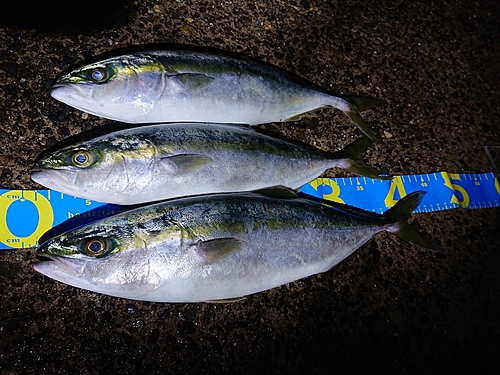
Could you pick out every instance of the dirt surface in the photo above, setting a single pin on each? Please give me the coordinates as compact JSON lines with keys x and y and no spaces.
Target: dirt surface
{"x":390,"y":308}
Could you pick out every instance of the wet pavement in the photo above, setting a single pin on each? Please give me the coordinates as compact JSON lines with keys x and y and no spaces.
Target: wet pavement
{"x":389,"y":308}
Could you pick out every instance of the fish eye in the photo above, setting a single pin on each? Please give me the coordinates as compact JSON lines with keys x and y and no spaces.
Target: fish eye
{"x":98,"y":75}
{"x":82,"y":159}
{"x":96,"y":247}
{"x":91,"y":75}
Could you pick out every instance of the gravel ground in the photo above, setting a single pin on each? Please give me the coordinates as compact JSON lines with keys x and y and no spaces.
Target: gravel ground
{"x":390,"y":308}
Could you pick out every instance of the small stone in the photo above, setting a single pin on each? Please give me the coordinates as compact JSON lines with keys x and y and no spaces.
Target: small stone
{"x":189,"y":30}
{"x":51,"y":141}
{"x":105,"y":317}
{"x":387,"y":134}
{"x":186,"y":327}
{"x":131,"y":309}
{"x":6,"y":159}
{"x":138,"y":325}
{"x":189,"y":315}
{"x":85,"y":115}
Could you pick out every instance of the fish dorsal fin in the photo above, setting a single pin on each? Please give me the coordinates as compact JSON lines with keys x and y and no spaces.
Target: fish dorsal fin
{"x":187,"y":163}
{"x":219,"y":248}
{"x":277,"y":192}
{"x":194,"y":81}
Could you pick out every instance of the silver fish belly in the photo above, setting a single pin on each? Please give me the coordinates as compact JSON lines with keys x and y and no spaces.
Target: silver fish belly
{"x":215,"y":247}
{"x":184,"y":86}
{"x":157,"y":162}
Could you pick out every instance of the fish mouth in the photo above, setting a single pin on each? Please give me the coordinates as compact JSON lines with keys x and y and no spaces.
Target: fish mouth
{"x":58,"y":268}
{"x":79,"y":96}
{"x":52,"y":178}
{"x":70,"y":90}
{"x":43,"y":257}
{"x":64,"y":181}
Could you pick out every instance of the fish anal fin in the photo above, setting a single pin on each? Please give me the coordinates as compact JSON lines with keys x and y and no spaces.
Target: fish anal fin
{"x":227,"y":300}
{"x":295,"y":118}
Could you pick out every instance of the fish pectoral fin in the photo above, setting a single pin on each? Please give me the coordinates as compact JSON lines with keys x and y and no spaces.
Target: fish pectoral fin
{"x":188,"y":163}
{"x":194,"y":81}
{"x":219,"y":248}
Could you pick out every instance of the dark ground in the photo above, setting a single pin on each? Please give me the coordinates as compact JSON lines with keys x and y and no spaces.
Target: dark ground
{"x":391,"y":308}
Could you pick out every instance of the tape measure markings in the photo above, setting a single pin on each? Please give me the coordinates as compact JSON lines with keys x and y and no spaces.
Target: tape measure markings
{"x":444,"y":191}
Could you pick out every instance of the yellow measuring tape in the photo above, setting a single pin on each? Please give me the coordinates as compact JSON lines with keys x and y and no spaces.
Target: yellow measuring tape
{"x":444,"y":191}
{"x":25,"y":215}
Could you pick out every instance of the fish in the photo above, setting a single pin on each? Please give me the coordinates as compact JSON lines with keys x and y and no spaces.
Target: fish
{"x":164,"y":161}
{"x":219,"y":247}
{"x":187,"y":86}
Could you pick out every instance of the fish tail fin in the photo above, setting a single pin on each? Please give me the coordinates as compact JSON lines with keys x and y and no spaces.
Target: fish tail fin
{"x":364,"y":103}
{"x":353,"y":156}
{"x":409,"y":232}
{"x":357,"y":104}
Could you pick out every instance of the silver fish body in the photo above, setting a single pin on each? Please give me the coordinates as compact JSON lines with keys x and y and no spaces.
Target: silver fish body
{"x":157,"y":162}
{"x":215,"y":247}
{"x":185,"y":86}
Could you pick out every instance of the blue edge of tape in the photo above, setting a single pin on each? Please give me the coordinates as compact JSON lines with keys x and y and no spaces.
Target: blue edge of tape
{"x":27,"y":217}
